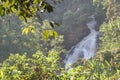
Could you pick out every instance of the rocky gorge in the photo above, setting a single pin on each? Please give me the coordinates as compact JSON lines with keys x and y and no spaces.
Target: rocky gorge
{"x":73,"y":16}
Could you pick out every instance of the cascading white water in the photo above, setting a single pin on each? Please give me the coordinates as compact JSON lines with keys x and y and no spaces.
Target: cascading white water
{"x":85,"y":48}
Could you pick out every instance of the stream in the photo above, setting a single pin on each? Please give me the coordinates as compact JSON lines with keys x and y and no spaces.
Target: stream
{"x":87,"y":47}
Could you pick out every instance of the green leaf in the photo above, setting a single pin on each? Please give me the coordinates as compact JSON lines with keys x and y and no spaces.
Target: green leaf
{"x":25,"y":31}
{"x":1,"y":74}
{"x":32,"y":28}
{"x":21,"y":18}
{"x":37,"y":1}
{"x":2,"y":10}
{"x":13,"y":9}
{"x":55,"y":34}
{"x":45,"y":34}
{"x":51,"y":32}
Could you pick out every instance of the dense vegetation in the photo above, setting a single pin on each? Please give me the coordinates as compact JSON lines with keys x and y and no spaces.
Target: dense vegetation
{"x":44,"y":62}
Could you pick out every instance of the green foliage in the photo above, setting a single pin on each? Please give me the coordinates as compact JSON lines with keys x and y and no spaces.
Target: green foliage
{"x":48,"y":67}
{"x":111,"y":37}
{"x":46,"y":29}
{"x":27,"y":9}
{"x":100,"y":6}
{"x":26,"y":30}
{"x":18,"y":67}
{"x":24,"y":8}
{"x":110,"y":41}
{"x":109,"y":7}
{"x":2,"y":12}
{"x":110,"y":50}
{"x":11,"y":37}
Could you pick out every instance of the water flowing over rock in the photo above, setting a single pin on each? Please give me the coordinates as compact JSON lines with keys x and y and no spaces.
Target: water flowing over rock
{"x":85,"y":48}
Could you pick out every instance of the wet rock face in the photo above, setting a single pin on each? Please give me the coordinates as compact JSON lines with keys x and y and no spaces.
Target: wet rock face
{"x":72,"y":15}
{"x":74,"y":36}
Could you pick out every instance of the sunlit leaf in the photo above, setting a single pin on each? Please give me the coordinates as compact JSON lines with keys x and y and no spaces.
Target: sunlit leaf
{"x":13,"y":9}
{"x":21,"y":17}
{"x":45,"y":34}
{"x":25,"y":31}
{"x":1,"y":74}
{"x":55,"y":34}
{"x":51,"y":32}
{"x":31,"y":28}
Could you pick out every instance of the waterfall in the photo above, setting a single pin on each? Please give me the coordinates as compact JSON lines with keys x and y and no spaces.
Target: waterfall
{"x":85,"y":48}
